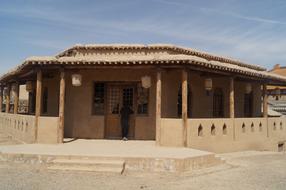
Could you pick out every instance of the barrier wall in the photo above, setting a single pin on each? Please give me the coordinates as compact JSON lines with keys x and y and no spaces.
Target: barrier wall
{"x":19,"y":127}
{"x":216,"y":135}
{"x":47,"y":130}
{"x":225,"y":134}
{"x":22,"y":128}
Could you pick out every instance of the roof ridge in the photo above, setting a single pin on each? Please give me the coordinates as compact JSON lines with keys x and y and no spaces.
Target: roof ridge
{"x":183,"y":49}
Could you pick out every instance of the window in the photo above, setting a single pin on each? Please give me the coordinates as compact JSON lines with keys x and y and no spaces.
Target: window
{"x":143,"y":100}
{"x":114,"y":100}
{"x":12,"y":97}
{"x":23,"y":100}
{"x":248,"y":104}
{"x":179,"y":103}
{"x":32,"y":102}
{"x":45,"y":100}
{"x":98,"y":98}
{"x":128,"y":96}
{"x":218,"y":103}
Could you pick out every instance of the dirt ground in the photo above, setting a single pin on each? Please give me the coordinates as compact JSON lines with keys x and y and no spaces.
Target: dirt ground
{"x":243,"y":170}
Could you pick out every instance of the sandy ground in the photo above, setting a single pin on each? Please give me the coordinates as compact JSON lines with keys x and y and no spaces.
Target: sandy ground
{"x":243,"y":170}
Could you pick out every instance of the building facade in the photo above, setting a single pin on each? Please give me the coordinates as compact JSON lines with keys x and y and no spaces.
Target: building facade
{"x":277,"y":94}
{"x":180,"y":97}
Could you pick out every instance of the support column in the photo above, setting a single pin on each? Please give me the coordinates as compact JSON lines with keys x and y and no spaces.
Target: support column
{"x":185,"y":106}
{"x":61,"y":107}
{"x":1,"y":98}
{"x":231,"y":103}
{"x":38,"y":102}
{"x":265,"y":106}
{"x":8,"y":98}
{"x":158,"y":107}
{"x":265,"y":101}
{"x":16,"y":98}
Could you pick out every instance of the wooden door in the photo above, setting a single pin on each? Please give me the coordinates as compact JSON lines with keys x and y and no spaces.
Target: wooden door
{"x":116,"y":95}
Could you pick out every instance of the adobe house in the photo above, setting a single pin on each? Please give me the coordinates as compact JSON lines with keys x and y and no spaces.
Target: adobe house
{"x":277,"y":94}
{"x":180,"y":97}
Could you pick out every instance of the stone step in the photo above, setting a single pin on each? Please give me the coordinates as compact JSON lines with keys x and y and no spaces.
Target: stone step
{"x":87,"y":168}
{"x":113,"y":166}
{"x":88,"y":161}
{"x":5,"y":137}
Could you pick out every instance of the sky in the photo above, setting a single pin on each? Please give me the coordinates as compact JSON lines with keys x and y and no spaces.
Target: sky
{"x":251,"y":31}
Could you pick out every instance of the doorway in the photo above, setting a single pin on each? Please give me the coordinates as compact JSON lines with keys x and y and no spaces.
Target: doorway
{"x":117,"y":94}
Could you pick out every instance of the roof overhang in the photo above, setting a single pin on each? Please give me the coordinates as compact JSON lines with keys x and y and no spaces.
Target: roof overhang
{"x":191,"y":62}
{"x":179,"y":57}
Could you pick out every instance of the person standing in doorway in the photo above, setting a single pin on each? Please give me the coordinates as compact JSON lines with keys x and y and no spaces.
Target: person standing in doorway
{"x":125,"y":113}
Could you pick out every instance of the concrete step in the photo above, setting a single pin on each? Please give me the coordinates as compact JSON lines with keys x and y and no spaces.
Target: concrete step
{"x":6,"y":137}
{"x":95,"y":165}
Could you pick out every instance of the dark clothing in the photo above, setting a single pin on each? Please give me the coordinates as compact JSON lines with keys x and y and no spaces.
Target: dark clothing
{"x":125,"y":113}
{"x":124,"y":128}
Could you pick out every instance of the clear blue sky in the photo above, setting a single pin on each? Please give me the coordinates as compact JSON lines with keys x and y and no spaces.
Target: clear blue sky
{"x":250,"y":30}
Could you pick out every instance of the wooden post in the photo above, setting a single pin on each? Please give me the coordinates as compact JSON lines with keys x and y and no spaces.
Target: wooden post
{"x":231,"y":98}
{"x":231,"y":104}
{"x":8,"y":98}
{"x":158,"y":107}
{"x":185,"y":106}
{"x":265,"y":101}
{"x":16,"y":98}
{"x":38,"y":102}
{"x":265,"y":106}
{"x":61,"y":108}
{"x":1,"y":98}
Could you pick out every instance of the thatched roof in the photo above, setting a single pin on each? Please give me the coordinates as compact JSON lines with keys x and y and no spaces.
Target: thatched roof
{"x":175,"y":56}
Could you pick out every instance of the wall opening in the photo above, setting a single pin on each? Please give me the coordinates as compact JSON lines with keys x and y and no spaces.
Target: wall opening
{"x":23,"y":100}
{"x":224,"y":130}
{"x":218,"y":103}
{"x":252,"y":127}
{"x":260,"y":126}
{"x":200,"y":131}
{"x":213,"y":130}
{"x":179,"y":102}
{"x":281,"y":126}
{"x":248,"y":104}
{"x":274,"y":126}
{"x":243,"y":128}
{"x":280,"y":147}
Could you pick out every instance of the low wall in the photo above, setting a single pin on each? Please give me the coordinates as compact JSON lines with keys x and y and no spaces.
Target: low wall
{"x":22,"y":128}
{"x":277,"y":128}
{"x":209,"y":134}
{"x":19,"y":127}
{"x":47,"y":130}
{"x":226,"y":135}
{"x":171,"y":132}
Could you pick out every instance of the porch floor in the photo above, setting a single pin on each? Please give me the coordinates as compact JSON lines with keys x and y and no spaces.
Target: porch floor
{"x":119,"y":148}
{"x":138,"y":155}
